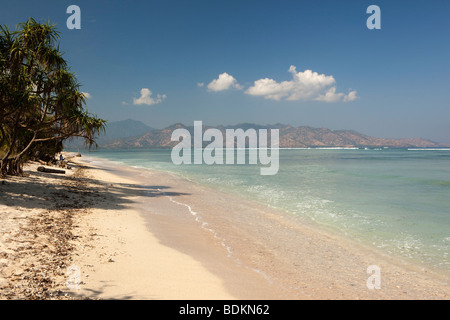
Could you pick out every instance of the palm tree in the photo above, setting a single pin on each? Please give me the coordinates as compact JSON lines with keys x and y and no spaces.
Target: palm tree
{"x":40,"y":99}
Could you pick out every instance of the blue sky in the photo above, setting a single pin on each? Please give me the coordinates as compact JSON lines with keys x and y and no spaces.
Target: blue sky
{"x":146,"y":60}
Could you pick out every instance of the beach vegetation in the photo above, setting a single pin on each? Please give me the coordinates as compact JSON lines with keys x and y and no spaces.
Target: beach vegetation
{"x":41,"y":102}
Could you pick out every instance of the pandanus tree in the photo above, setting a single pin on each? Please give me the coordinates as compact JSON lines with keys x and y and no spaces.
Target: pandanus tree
{"x":40,"y":98}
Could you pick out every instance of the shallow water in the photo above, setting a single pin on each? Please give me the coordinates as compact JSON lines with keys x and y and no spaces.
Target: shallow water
{"x":395,"y":200}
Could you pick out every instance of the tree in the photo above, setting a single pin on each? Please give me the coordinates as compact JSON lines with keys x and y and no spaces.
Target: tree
{"x":40,"y":98}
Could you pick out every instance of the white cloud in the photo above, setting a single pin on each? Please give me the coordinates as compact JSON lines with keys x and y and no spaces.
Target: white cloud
{"x":351,"y":96}
{"x":306,"y":85}
{"x":330,"y":96}
{"x":224,"y":82}
{"x":200,"y":84}
{"x":87,"y":95}
{"x":147,"y":99}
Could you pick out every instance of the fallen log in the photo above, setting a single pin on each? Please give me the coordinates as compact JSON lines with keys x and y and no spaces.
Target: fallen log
{"x":43,"y":169}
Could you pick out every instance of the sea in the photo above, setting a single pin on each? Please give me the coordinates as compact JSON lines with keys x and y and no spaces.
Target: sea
{"x":394,"y":200}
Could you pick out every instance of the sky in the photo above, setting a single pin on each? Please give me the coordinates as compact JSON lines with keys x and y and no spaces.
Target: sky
{"x":227,"y":62}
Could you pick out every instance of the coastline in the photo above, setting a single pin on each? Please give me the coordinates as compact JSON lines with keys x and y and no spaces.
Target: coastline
{"x":154,"y":235}
{"x":126,"y":258}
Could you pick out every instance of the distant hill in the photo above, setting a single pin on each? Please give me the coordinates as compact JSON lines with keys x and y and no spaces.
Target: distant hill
{"x":114,"y":130}
{"x":124,"y":129}
{"x":290,"y":137}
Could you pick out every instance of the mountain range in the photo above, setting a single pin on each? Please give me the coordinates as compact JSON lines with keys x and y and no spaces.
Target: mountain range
{"x":132,"y":134}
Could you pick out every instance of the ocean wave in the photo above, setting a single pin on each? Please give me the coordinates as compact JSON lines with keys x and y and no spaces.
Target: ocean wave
{"x":428,"y":149}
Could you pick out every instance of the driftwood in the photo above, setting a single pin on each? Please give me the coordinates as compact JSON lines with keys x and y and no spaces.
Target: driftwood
{"x":43,"y":169}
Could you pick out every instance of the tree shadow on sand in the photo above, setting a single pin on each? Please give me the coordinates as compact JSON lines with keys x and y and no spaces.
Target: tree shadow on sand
{"x":74,"y":192}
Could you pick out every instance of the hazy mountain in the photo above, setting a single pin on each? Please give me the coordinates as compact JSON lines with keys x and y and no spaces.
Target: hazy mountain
{"x":114,"y":130}
{"x":124,"y":129}
{"x":290,"y":137}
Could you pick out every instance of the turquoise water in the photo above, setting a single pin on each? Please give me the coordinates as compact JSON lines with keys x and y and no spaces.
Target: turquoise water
{"x":395,"y":200}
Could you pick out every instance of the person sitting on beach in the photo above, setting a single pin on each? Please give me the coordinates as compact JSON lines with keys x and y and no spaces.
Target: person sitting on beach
{"x":61,"y":157}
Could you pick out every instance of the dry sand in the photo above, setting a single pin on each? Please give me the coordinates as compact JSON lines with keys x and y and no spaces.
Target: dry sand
{"x":115,"y":232}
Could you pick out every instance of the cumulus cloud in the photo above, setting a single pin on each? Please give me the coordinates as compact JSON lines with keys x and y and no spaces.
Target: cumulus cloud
{"x":351,"y":96}
{"x":200,"y":84}
{"x":87,"y":95}
{"x":147,"y":99}
{"x":306,"y":85}
{"x":330,"y":96}
{"x":224,"y":82}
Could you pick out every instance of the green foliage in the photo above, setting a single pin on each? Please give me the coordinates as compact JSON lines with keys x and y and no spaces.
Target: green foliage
{"x":41,"y":104}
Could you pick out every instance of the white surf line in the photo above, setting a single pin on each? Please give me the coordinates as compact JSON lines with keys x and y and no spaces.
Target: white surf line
{"x":216,"y":235}
{"x":199,"y":220}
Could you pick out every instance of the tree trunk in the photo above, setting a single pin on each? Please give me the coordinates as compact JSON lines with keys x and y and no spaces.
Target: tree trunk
{"x":4,"y":163}
{"x":43,"y":169}
{"x":3,"y":168}
{"x":15,"y":167}
{"x":11,"y":166}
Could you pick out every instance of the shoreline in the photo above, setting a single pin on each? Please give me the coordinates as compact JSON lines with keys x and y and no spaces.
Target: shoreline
{"x":202,"y":270}
{"x":325,"y":230}
{"x":143,"y":234}
{"x":242,"y":235}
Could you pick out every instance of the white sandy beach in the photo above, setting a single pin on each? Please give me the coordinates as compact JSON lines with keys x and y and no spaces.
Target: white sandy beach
{"x":151,"y":235}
